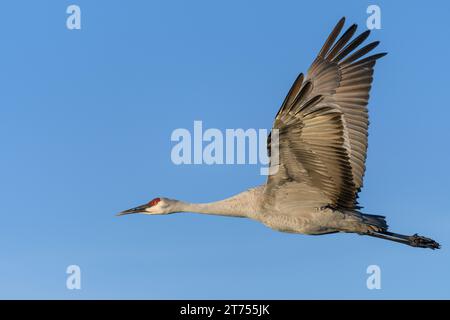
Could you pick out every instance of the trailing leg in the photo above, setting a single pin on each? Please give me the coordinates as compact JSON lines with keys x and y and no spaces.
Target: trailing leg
{"x":414,"y":241}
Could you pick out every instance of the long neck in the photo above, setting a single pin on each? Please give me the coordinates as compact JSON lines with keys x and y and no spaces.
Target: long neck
{"x":244,"y":204}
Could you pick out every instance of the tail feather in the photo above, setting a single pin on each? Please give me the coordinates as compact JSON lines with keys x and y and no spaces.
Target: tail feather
{"x":378,"y":223}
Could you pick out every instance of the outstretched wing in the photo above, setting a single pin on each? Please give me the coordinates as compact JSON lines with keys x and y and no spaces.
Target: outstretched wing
{"x":323,"y":123}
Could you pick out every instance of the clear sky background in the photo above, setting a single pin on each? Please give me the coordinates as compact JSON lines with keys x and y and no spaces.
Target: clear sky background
{"x":85,"y":124}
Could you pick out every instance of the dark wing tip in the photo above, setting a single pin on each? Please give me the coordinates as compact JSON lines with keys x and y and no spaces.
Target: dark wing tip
{"x":332,"y":37}
{"x":343,"y":40}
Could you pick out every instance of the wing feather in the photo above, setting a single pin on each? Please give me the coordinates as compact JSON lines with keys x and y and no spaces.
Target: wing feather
{"x":323,"y":122}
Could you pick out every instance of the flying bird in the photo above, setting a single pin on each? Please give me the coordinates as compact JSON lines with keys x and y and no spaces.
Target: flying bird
{"x":321,"y":151}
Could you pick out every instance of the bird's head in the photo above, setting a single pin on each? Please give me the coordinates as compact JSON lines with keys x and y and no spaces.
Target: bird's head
{"x":154,"y":206}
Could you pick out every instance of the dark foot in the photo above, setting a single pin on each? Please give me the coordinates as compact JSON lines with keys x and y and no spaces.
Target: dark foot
{"x":423,"y":242}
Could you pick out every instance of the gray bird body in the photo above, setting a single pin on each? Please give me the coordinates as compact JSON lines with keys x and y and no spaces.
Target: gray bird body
{"x":302,"y":216}
{"x":321,"y":149}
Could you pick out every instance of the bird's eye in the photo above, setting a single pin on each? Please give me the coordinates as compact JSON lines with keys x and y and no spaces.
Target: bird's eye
{"x":154,"y":202}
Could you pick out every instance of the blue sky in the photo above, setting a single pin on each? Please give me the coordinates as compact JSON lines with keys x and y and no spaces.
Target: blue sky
{"x":85,"y":123}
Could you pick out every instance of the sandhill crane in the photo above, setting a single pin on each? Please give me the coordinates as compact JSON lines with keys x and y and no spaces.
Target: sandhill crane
{"x":322,"y":126}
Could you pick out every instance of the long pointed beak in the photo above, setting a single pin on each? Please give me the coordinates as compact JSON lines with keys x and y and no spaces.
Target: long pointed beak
{"x":133,"y":210}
